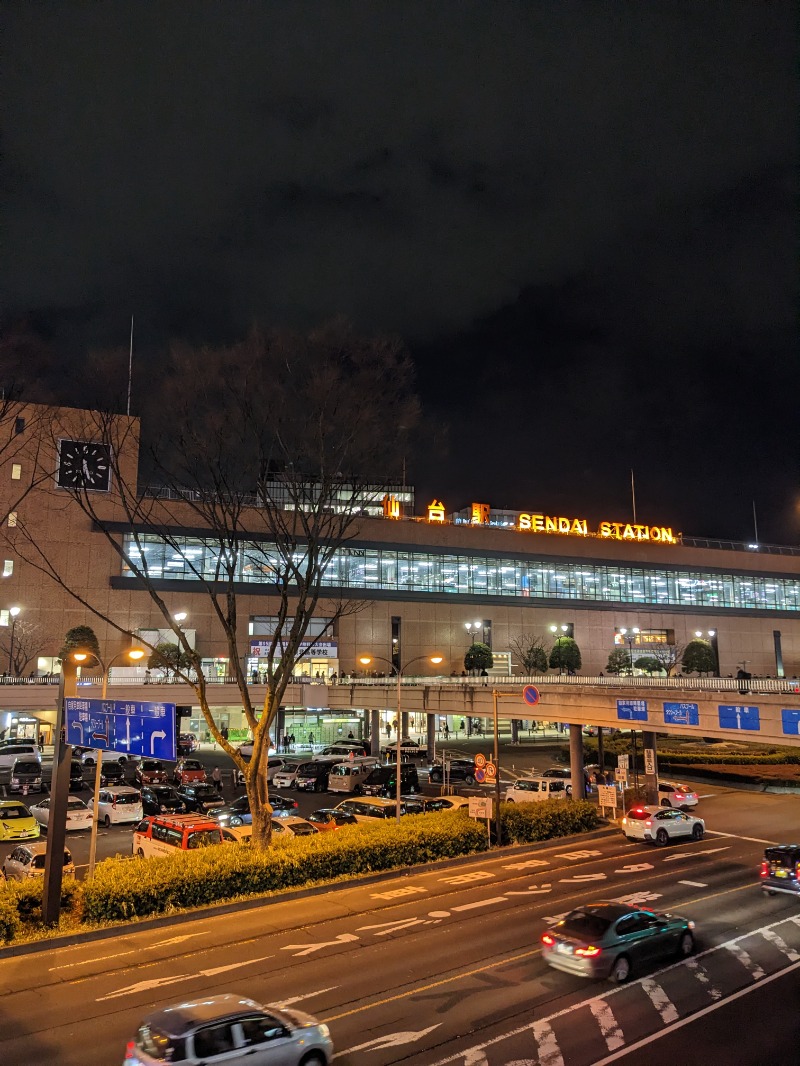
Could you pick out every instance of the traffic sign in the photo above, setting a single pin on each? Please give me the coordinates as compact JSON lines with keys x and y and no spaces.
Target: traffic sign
{"x":480,"y":775}
{"x":649,"y":761}
{"x":791,"y":722}
{"x":480,"y":761}
{"x":623,"y":761}
{"x":490,"y":770}
{"x":632,"y":710}
{"x":622,"y":775}
{"x":731,"y":717}
{"x":133,"y":728}
{"x":480,"y":807}
{"x":681,"y":714}
{"x":606,"y":795}
{"x":531,"y":695}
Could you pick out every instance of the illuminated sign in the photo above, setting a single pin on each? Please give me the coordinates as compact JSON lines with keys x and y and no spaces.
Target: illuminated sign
{"x":436,"y":511}
{"x":579,"y":527}
{"x":391,"y":507}
{"x":479,"y":514}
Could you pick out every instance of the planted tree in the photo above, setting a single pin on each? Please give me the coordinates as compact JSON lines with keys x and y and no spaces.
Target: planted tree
{"x":479,"y":657}
{"x":170,"y":658}
{"x":531,"y":652}
{"x":565,"y":655}
{"x":668,"y":656}
{"x":648,"y":664}
{"x":619,"y":662}
{"x":269,"y":449}
{"x":25,"y":648}
{"x":80,"y":638}
{"x":699,"y":658}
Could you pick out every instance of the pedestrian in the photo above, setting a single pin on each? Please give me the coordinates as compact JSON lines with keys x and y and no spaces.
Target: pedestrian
{"x":463,"y":726}
{"x":350,"y":735}
{"x":216,"y":777}
{"x":311,"y":739}
{"x":446,"y":731}
{"x":224,"y":732}
{"x":254,"y":676}
{"x":485,"y":675}
{"x":388,"y":730}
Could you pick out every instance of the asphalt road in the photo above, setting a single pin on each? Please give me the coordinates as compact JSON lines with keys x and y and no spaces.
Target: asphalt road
{"x":443,"y":966}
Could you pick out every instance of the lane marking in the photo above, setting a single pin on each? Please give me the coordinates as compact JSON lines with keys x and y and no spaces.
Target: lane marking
{"x":307,"y":995}
{"x":705,"y":795}
{"x":549,"y":1051}
{"x":660,"y":1000}
{"x":781,"y":945}
{"x":753,"y":968}
{"x":735,"y":836}
{"x":581,"y":878}
{"x":390,"y":1040}
{"x":158,"y":982}
{"x":702,"y":975}
{"x":308,"y":949}
{"x":690,"y":1018}
{"x":481,"y":903}
{"x":466,"y":879}
{"x":609,"y":1027}
{"x":85,"y":962}
{"x":695,"y":884}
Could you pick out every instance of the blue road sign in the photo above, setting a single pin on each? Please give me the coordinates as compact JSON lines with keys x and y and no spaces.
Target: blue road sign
{"x":531,"y":695}
{"x":632,"y":710}
{"x":146,"y":729}
{"x":731,"y":717}
{"x":681,"y":714}
{"x":791,"y":722}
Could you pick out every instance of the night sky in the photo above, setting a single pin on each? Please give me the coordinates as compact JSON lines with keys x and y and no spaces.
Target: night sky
{"x":579,"y":216}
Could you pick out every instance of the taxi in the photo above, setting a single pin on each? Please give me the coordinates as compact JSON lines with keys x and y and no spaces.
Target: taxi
{"x":17,"y":822}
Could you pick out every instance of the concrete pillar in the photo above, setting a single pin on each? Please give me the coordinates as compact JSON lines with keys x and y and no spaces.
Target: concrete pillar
{"x":366,"y":726}
{"x":601,"y":755}
{"x":431,"y":737}
{"x":404,"y":724}
{"x":469,"y":725}
{"x":515,"y":731}
{"x":280,"y":728}
{"x":650,"y":763}
{"x":375,"y":734}
{"x":576,"y":762}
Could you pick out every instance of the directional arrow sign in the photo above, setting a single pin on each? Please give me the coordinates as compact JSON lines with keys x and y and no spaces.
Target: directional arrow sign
{"x":736,"y":717}
{"x":390,"y":1040}
{"x":128,"y":726}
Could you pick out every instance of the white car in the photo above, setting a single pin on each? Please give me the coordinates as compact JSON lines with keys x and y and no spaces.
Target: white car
{"x":119,"y":804}
{"x":89,"y":758}
{"x":660,"y":825}
{"x":536,"y":789}
{"x":79,"y":816}
{"x":287,"y":775}
{"x":672,"y":795}
{"x":446,"y":803}
{"x":28,"y":860}
{"x":292,"y":826}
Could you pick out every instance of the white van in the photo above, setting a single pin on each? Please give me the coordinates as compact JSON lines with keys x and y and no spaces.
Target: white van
{"x":349,"y":776}
{"x":119,"y":804}
{"x":535,"y":789}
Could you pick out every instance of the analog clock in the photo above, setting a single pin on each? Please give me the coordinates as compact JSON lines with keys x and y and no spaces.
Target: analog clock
{"x":84,"y":465}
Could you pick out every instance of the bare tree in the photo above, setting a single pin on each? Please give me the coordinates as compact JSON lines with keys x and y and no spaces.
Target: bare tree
{"x":531,"y":652}
{"x":27,"y":644}
{"x":668,"y":656}
{"x":267,"y":447}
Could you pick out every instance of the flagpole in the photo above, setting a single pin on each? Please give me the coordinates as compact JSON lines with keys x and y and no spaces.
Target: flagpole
{"x":130,"y":367}
{"x":633,"y":496}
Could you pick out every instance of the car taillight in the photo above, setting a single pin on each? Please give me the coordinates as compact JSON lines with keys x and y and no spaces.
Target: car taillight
{"x":680,"y":796}
{"x":648,"y":822}
{"x":588,"y":953}
{"x":546,"y":938}
{"x":765,"y":869}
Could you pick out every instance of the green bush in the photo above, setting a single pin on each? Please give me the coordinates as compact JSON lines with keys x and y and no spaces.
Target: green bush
{"x":26,"y":898}
{"x":778,"y":759}
{"x":525,"y":823}
{"x":9,"y":918}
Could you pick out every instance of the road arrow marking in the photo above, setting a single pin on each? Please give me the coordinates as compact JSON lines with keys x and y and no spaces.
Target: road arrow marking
{"x":158,"y":982}
{"x":342,"y":938}
{"x":308,"y":995}
{"x":391,"y":1040}
{"x":635,"y":868}
{"x":582,"y":877}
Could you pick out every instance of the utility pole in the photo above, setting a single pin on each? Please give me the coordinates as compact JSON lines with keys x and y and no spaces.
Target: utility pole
{"x":59,"y":794}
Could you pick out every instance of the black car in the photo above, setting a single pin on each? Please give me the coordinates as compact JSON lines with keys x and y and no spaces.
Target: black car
{"x":111,"y":773}
{"x":282,"y":805}
{"x":161,"y":799}
{"x":236,"y":813}
{"x":457,"y":770}
{"x":382,"y":781}
{"x":780,"y":870}
{"x":76,"y":775}
{"x":201,"y":798}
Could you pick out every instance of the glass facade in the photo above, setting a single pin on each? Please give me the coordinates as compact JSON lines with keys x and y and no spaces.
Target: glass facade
{"x":411,"y":571}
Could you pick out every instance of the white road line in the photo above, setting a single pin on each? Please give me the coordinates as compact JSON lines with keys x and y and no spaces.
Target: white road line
{"x":781,"y":945}
{"x":705,"y":795}
{"x":746,"y":961}
{"x":85,"y":962}
{"x":695,"y":884}
{"x":702,"y":975}
{"x":736,"y":836}
{"x":661,"y":1001}
{"x":549,"y":1051}
{"x":675,"y":858}
{"x":306,"y":995}
{"x":609,"y":1027}
{"x":481,"y":903}
{"x":690,"y":1018}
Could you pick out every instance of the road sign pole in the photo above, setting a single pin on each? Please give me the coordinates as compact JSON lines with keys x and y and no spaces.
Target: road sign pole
{"x":59,"y":793}
{"x":497,"y":771}
{"x":98,"y":773}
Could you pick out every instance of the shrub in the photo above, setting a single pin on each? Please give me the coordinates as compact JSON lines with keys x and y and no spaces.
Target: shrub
{"x":525,"y":823}
{"x":9,"y":918}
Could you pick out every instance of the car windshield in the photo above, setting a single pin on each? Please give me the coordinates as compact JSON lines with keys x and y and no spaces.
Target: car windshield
{"x":76,"y":804}
{"x":191,"y":764}
{"x":302,"y":830}
{"x":206,"y":792}
{"x":27,"y":767}
{"x":310,"y":769}
{"x":584,"y":926}
{"x":15,"y":811}
{"x":151,"y":764}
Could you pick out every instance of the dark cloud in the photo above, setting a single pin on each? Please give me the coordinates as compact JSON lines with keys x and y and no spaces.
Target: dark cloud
{"x":581,"y":209}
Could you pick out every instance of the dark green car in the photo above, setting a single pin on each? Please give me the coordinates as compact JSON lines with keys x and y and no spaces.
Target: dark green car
{"x":610,"y":939}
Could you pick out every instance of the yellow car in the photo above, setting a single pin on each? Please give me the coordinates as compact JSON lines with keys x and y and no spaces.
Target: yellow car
{"x":17,"y":822}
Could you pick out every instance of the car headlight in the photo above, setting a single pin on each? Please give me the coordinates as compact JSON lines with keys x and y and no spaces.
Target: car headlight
{"x":324,"y":1031}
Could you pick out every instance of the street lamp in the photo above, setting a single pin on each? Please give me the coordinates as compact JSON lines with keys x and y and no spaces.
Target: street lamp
{"x":80,"y":657}
{"x":13,"y":611}
{"x":711,"y":634}
{"x":365,"y":660}
{"x":181,"y":616}
{"x":630,"y":635}
{"x":472,"y":629}
{"x":557,"y":639}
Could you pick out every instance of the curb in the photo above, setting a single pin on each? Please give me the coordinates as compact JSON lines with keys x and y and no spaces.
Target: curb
{"x":214,"y":910}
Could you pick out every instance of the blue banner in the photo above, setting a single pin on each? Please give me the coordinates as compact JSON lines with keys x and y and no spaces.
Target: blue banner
{"x":735,"y":717}
{"x":791,"y":722}
{"x":681,"y":714}
{"x":632,"y":710}
{"x":127,"y":726}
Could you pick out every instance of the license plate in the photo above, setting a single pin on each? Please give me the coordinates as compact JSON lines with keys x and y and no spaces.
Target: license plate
{"x":781,"y":873}
{"x":564,"y":949}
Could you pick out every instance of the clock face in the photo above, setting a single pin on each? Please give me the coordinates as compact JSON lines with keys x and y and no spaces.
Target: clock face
{"x":84,"y":465}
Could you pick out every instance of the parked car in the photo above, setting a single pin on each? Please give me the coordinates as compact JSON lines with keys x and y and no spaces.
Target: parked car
{"x":161,"y":799}
{"x":275,"y":763}
{"x":282,"y":805}
{"x":564,"y":774}
{"x":17,"y":822}
{"x":27,"y":860}
{"x":536,"y":789}
{"x":659,"y":825}
{"x":201,"y":798}
{"x":187,"y":743}
{"x":409,"y":749}
{"x":780,"y":870}
{"x":18,"y":749}
{"x":344,"y":747}
{"x":150,"y":772}
{"x":457,"y":770}
{"x":672,"y":795}
{"x":285,"y":777}
{"x":228,"y":1026}
{"x":611,"y":939}
{"x":76,"y":775}
{"x":161,"y":834}
{"x":79,"y":816}
{"x":328,"y":819}
{"x":298,"y":827}
{"x":446,"y":803}
{"x":189,"y":772}
{"x":233,"y":814}
{"x":350,"y":776}
{"x":382,"y":781}
{"x":119,"y":803}
{"x":89,"y":757}
{"x":26,"y":775}
{"x":313,"y":776}
{"x":369,"y":808}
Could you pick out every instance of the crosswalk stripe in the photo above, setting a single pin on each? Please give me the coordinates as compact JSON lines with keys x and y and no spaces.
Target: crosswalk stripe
{"x":661,"y":1001}
{"x":701,"y":973}
{"x":781,"y":945}
{"x":745,"y":960}
{"x":549,"y":1051}
{"x":609,"y":1027}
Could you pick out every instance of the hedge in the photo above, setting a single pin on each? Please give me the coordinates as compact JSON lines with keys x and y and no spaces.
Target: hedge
{"x":777,"y":759}
{"x":139,"y":888}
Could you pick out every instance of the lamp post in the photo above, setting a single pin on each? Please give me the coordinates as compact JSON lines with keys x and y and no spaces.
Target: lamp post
{"x":711,"y":634}
{"x":554,"y":631}
{"x":472,"y":629}
{"x":365,"y":660}
{"x":13,"y":611}
{"x":79,"y":657}
{"x":630,"y":635}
